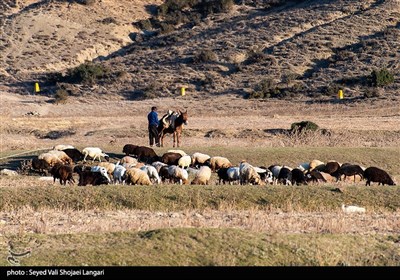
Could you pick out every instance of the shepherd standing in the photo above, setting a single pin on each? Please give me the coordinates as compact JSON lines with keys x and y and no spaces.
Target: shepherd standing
{"x":152,"y":117}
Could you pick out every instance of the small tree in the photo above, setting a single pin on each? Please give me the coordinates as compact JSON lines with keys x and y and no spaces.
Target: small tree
{"x":381,"y":78}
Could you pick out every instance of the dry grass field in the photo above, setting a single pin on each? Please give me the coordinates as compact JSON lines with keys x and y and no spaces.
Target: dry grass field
{"x":58,"y":222}
{"x":201,"y":225}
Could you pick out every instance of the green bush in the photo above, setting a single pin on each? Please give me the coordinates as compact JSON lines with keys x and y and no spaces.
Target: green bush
{"x":299,"y":127}
{"x":381,"y":78}
{"x":86,"y":73}
{"x":267,"y":88}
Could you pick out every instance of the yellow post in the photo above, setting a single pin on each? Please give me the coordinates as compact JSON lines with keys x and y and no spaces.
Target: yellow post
{"x":340,"y":94}
{"x":37,"y":88}
{"x":183,"y":91}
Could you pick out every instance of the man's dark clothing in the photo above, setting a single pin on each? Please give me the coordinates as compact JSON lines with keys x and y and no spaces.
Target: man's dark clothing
{"x":153,"y":128}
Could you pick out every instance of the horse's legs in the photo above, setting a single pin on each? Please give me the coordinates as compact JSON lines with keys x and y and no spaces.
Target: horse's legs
{"x":178,"y":138}
{"x":162,"y":140}
{"x":174,"y":136}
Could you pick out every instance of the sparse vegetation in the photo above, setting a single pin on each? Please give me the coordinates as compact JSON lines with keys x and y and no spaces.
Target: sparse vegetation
{"x":206,"y":247}
{"x":205,"y":55}
{"x":267,"y":88}
{"x":61,"y":96}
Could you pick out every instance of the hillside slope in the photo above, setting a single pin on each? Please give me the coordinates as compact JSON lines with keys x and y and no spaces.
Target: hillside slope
{"x":44,"y":36}
{"x":309,"y":48}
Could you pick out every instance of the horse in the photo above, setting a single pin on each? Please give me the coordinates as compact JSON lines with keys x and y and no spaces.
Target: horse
{"x":165,"y":128}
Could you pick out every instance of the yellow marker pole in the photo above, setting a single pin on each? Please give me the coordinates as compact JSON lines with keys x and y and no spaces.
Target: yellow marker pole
{"x":340,"y":94}
{"x":183,"y":91}
{"x":37,"y":88}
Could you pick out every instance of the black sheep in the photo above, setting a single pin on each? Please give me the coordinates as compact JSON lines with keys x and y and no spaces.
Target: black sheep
{"x":285,"y":176}
{"x":91,"y":178}
{"x":74,"y":154}
{"x":374,"y":174}
{"x":298,"y":177}
{"x":350,"y":170}
{"x":223,"y":175}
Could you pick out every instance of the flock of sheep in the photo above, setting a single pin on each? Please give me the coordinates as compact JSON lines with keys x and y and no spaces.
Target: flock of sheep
{"x":142,"y":166}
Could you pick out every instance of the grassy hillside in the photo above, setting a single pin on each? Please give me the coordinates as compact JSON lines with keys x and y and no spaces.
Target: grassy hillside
{"x":36,"y":195}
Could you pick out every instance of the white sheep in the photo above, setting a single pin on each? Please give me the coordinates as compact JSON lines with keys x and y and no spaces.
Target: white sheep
{"x":203,"y":176}
{"x":182,"y":153}
{"x":328,"y":177}
{"x":218,"y":162}
{"x":128,"y":159}
{"x":275,"y":170}
{"x":51,"y":159}
{"x":8,"y":172}
{"x":233,"y":174}
{"x":152,"y":172}
{"x":178,"y":174}
{"x":184,"y":161}
{"x":135,"y":176}
{"x":119,"y":173}
{"x":192,"y":171}
{"x":94,"y":152}
{"x":63,"y":147}
{"x":199,"y":158}
{"x":248,"y":174}
{"x":352,"y":209}
{"x":158,"y":165}
{"x":316,"y":164}
{"x":305,"y":166}
{"x":110,"y":167}
{"x":265,"y":174}
{"x":62,"y":156}
{"x":102,"y":170}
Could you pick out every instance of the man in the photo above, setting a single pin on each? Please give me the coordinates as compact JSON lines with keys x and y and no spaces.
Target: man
{"x":152,"y":117}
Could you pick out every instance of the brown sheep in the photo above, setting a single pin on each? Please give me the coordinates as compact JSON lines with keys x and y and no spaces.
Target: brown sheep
{"x":129,"y":149}
{"x":146,"y":154}
{"x":171,"y":158}
{"x":62,"y":172}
